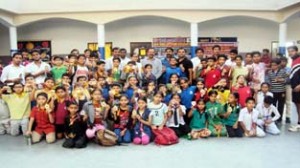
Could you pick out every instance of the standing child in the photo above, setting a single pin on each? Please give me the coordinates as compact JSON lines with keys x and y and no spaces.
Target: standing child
{"x":199,"y":122}
{"x":43,"y":117}
{"x":58,"y":69}
{"x":74,"y":128}
{"x":248,"y":120}
{"x":175,"y":114}
{"x":122,"y":120}
{"x":142,"y":129}
{"x":268,"y":115}
{"x":214,"y":110}
{"x":231,"y":115}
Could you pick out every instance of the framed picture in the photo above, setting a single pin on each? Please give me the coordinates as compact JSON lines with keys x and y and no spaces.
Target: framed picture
{"x":108,"y":47}
{"x":44,"y":46}
{"x":140,"y":47}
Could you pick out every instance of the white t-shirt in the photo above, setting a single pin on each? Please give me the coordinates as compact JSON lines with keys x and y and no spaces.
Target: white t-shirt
{"x":12,"y":72}
{"x":196,"y":61}
{"x":171,"y":122}
{"x":260,"y":96}
{"x":266,"y":113}
{"x":248,"y":118}
{"x":157,"y":112}
{"x":33,"y":68}
{"x":80,"y":71}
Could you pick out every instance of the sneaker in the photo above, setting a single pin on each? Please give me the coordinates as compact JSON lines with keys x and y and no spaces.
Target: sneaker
{"x":295,"y":128}
{"x":287,"y":120}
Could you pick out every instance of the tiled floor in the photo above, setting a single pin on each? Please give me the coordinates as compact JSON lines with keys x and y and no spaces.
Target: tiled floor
{"x":271,"y":151}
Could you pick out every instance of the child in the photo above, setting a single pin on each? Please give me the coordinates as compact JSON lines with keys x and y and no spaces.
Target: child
{"x":242,"y":89}
{"x":173,"y":69}
{"x":60,"y":110}
{"x":199,"y":122}
{"x":265,"y":118}
{"x":187,"y":95}
{"x":101,"y":72}
{"x":142,"y":129}
{"x":4,"y":117}
{"x":214,"y":110}
{"x":158,"y":117}
{"x":223,"y":91}
{"x":80,"y":69}
{"x":122,"y":120}
{"x":257,"y":72}
{"x":175,"y":114}
{"x":95,"y":113}
{"x":80,"y":92}
{"x":230,"y":116}
{"x":248,"y":120}
{"x":238,"y":70}
{"x":74,"y":128}
{"x":147,"y":75}
{"x":115,"y":72}
{"x":43,"y":117}
{"x":130,"y":70}
{"x":18,"y":103}
{"x":264,"y":91}
{"x":58,"y":69}
{"x":211,"y":74}
{"x":200,"y":92}
{"x":199,"y":68}
{"x":131,"y":88}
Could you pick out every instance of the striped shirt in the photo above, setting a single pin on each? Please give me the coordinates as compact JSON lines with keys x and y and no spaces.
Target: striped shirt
{"x":276,"y":87}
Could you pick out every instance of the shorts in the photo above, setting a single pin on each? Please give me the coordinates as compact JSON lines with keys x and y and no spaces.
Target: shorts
{"x":296,"y":97}
{"x":45,"y":130}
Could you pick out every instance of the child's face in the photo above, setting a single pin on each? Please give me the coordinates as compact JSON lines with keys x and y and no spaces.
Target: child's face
{"x":41,"y":100}
{"x":248,"y":58}
{"x":148,"y":69}
{"x":60,"y":93}
{"x":173,"y":62}
{"x":241,"y":80}
{"x":101,"y":67}
{"x":201,"y":105}
{"x":184,"y":84}
{"x":82,"y":81}
{"x":256,"y":58}
{"x":163,"y":89}
{"x":177,"y":99}
{"x":116,"y":89}
{"x":250,"y":104}
{"x":274,"y":66}
{"x":266,"y":105}
{"x":157,"y":98}
{"x":96,"y":96}
{"x":18,"y":88}
{"x":283,"y":63}
{"x":123,"y":101}
{"x":223,"y":82}
{"x":221,"y":61}
{"x":142,"y":104}
{"x":264,"y":88}
{"x":231,"y":99}
{"x":72,"y":60}
{"x":58,"y":62}
{"x":210,"y":62}
{"x":116,"y":63}
{"x":30,"y":80}
{"x":49,"y":84}
{"x":73,"y":109}
{"x":213,"y":98}
{"x":65,"y":79}
{"x":132,"y":81}
{"x":174,"y":78}
{"x":204,"y":63}
{"x":238,"y":61}
{"x":81,"y":60}
{"x":200,"y":85}
{"x":101,"y":81}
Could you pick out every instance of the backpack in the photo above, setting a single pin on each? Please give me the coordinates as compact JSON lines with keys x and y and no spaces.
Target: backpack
{"x":166,"y":136}
{"x":106,"y":137}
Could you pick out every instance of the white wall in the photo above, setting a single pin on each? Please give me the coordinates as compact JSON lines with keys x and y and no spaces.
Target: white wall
{"x":253,"y":34}
{"x":293,"y":29}
{"x":64,"y":34}
{"x":4,"y":40}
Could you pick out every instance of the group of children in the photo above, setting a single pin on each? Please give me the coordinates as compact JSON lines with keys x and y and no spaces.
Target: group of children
{"x":80,"y":95}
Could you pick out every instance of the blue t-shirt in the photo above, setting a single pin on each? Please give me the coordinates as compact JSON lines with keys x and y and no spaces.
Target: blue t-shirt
{"x":187,"y":96}
{"x":172,"y":70}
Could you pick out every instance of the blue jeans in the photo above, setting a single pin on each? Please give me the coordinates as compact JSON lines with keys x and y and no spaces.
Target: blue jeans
{"x":126,"y":138}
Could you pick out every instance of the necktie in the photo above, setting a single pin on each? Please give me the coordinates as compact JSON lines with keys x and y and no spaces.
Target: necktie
{"x":175,"y":116}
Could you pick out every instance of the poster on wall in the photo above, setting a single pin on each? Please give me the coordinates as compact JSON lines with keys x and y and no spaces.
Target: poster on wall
{"x":108,"y":47}
{"x":44,"y":46}
{"x":161,"y":43}
{"x":226,"y":44}
{"x":140,"y":47}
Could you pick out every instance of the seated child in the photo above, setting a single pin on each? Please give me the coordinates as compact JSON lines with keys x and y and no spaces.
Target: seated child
{"x":230,"y":116}
{"x":74,"y":128}
{"x":248,"y":120}
{"x":266,"y":120}
{"x":199,"y":121}
{"x":4,"y":117}
{"x":42,"y":115}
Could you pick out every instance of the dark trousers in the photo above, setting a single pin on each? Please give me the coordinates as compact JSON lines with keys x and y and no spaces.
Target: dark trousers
{"x":181,"y":130}
{"x":234,"y":132}
{"x":187,"y":120}
{"x":279,"y":101}
{"x":77,"y":142}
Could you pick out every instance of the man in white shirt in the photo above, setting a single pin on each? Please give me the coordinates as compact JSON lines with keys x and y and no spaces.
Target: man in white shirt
{"x":14,"y":72}
{"x":232,"y":55}
{"x":109,"y":62}
{"x":123,"y":57}
{"x":38,"y":68}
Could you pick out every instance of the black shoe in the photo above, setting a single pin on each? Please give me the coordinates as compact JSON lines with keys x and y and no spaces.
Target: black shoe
{"x":288,"y":120}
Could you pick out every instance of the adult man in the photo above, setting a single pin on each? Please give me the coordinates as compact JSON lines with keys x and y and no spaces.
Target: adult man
{"x":155,"y":62}
{"x":15,"y":72}
{"x":109,"y":62}
{"x":216,"y":49}
{"x":295,"y":83}
{"x":37,"y":68}
{"x":187,"y":64}
{"x":123,"y":57}
{"x":199,"y":56}
{"x":231,"y":61}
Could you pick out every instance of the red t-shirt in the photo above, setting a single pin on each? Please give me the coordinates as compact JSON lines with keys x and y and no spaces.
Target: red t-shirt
{"x":61,"y":113}
{"x":41,"y":118}
{"x":211,"y":77}
{"x":244,"y":92}
{"x":122,"y":119}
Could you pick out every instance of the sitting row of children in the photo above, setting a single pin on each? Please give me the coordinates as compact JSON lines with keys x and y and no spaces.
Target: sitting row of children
{"x":134,"y":115}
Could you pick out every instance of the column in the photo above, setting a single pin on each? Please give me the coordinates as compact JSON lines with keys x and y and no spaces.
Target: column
{"x":101,"y":40}
{"x":282,"y":38}
{"x":194,"y":38}
{"x":13,"y":40}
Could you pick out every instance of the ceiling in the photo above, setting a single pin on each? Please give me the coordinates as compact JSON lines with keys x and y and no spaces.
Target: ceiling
{"x":58,"y":6}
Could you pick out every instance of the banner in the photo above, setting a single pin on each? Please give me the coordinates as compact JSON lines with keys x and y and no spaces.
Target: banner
{"x":43,"y":46}
{"x":226,"y":44}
